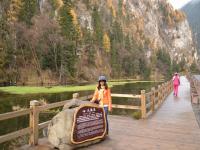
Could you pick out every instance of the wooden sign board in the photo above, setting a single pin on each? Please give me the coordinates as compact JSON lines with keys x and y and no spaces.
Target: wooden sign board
{"x":89,"y":124}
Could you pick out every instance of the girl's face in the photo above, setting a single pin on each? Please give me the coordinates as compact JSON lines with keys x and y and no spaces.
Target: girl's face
{"x":102,"y":83}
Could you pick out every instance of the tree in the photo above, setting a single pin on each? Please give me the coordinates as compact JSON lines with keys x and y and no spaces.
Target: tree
{"x":69,"y":31}
{"x":97,"y":26}
{"x":28,"y":10}
{"x":194,"y":68}
{"x":106,"y":42}
{"x":14,"y":10}
{"x":128,"y":43}
{"x":117,"y":32}
{"x":144,"y":69}
{"x":66,"y":21}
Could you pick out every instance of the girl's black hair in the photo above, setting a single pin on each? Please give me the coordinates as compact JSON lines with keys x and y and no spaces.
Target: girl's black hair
{"x":105,"y":84}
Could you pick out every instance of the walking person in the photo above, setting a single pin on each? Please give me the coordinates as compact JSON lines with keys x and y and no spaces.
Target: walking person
{"x":102,"y":96}
{"x":176,"y":83}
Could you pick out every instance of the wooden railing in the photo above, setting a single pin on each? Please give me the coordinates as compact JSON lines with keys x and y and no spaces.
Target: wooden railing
{"x":149,"y":103}
{"x":194,"y":89}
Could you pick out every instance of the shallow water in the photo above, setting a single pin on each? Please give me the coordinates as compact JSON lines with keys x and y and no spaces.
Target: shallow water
{"x":11,"y":102}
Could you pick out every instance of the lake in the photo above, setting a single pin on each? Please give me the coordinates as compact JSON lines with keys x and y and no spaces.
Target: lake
{"x":11,"y":102}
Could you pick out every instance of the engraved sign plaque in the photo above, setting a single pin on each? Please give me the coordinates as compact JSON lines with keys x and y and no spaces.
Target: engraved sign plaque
{"x":89,"y":124}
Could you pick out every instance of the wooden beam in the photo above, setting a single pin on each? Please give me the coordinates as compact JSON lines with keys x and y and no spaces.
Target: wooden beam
{"x":14,"y":135}
{"x":14,"y":114}
{"x":53,"y":105}
{"x":44,"y":124}
{"x":143,"y":104}
{"x":126,"y":95}
{"x":125,"y":106}
{"x":153,"y":99}
{"x":33,"y":122}
{"x":148,"y":105}
{"x":59,"y":104}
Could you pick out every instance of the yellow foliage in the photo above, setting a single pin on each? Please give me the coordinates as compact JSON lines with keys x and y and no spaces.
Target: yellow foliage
{"x":59,"y":3}
{"x":114,"y":12}
{"x":106,"y":42}
{"x":110,"y":5}
{"x":14,"y":9}
{"x":74,"y":16}
{"x":124,"y":8}
{"x":75,"y":22}
{"x":179,"y":16}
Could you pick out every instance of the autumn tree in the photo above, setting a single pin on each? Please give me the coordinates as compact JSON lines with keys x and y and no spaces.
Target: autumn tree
{"x":106,"y":42}
{"x":14,"y":10}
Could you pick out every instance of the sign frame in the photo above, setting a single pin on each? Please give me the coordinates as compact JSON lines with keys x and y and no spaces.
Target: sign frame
{"x":74,"y":121}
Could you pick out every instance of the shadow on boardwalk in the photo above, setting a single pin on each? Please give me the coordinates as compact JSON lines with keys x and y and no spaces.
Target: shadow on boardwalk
{"x":172,"y":127}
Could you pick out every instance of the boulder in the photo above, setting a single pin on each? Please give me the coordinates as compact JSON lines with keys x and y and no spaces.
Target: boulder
{"x":80,"y":123}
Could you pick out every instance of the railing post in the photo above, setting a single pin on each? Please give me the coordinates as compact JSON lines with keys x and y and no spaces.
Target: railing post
{"x":34,"y":120}
{"x":171,"y":85}
{"x":161,"y":98}
{"x":75,"y":95}
{"x":152,"y":99}
{"x":159,"y":94}
{"x":164,"y":91}
{"x":168,"y":88}
{"x":143,"y":104}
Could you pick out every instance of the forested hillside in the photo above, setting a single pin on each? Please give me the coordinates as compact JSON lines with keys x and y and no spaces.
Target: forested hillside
{"x":60,"y":41}
{"x":192,"y":12}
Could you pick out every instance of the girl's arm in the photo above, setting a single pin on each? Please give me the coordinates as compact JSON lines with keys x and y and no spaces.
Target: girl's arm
{"x":95,"y":95}
{"x":173,"y":78}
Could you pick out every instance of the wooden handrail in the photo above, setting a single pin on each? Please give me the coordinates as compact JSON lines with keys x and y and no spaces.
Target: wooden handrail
{"x":14,"y":114}
{"x":195,"y":89}
{"x":126,"y":106}
{"x":155,"y":101}
{"x":126,"y":95}
{"x":52,"y":105}
{"x":15,"y":134}
{"x":44,"y":124}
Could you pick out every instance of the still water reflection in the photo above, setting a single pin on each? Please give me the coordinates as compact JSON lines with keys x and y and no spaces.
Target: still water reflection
{"x":11,"y":102}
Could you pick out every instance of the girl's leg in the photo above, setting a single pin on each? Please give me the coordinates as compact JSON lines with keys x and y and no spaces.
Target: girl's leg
{"x":174,"y":89}
{"x":177,"y":90}
{"x":106,"y":113}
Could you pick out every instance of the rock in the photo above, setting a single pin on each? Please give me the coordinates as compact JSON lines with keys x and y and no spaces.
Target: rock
{"x":60,"y":129}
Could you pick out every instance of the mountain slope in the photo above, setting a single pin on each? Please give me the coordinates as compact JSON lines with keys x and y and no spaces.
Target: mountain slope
{"x":193,"y":15}
{"x":55,"y":41}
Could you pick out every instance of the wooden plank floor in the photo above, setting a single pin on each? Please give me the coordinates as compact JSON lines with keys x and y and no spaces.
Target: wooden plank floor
{"x":172,"y":127}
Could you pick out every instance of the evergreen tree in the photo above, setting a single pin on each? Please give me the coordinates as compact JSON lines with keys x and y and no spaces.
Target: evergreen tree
{"x":28,"y":10}
{"x":97,"y":26}
{"x":66,"y":21}
{"x":117,"y":32}
{"x":194,"y":68}
{"x":127,"y":43}
{"x":68,"y":52}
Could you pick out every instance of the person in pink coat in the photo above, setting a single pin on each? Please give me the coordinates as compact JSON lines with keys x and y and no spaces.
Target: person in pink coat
{"x":176,"y":83}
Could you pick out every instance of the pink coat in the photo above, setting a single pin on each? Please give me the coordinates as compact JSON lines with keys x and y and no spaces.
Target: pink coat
{"x":176,"y":80}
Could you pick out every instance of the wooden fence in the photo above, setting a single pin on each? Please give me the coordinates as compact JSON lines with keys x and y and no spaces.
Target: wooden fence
{"x":194,"y":89}
{"x":149,"y":102}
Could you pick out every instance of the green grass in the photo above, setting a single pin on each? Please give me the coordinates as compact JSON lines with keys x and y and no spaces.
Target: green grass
{"x":57,"y":89}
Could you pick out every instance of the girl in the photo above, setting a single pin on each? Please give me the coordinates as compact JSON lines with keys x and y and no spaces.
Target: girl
{"x":102,"y":96}
{"x":176,"y":83}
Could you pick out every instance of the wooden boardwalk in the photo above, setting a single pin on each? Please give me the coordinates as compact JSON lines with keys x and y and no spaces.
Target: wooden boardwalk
{"x":172,"y":127}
